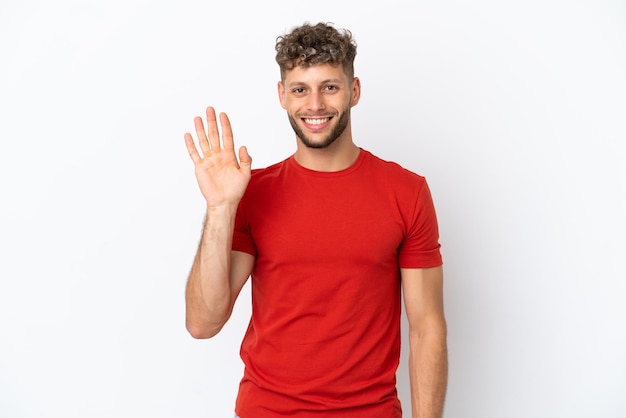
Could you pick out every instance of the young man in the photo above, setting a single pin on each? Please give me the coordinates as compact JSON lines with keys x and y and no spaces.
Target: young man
{"x":331,"y":237}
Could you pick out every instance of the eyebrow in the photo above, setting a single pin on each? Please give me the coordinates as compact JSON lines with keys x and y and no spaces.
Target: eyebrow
{"x":302,"y":83}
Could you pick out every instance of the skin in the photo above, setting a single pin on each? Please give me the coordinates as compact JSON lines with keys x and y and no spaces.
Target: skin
{"x":317,"y":100}
{"x":321,"y":93}
{"x":428,"y":354}
{"x":217,"y":274}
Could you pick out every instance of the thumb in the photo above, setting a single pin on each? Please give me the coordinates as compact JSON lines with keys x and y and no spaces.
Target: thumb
{"x":245,"y":161}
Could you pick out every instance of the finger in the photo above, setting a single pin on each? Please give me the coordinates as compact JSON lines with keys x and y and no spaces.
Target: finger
{"x":191,"y":148}
{"x":202,"y":140}
{"x":227,"y":133}
{"x":245,"y":161}
{"x":214,"y":134}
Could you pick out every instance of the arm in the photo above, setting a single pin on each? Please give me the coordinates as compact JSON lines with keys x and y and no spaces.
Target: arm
{"x":212,"y":287}
{"x":217,"y":274}
{"x":428,"y":357}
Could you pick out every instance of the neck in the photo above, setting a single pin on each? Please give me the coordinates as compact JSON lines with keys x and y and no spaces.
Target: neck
{"x":338,"y":156}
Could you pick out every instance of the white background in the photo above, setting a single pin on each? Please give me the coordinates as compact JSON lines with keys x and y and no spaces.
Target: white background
{"x":514,"y":111}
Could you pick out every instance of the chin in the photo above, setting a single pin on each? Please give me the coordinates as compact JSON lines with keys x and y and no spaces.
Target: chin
{"x":319,"y":144}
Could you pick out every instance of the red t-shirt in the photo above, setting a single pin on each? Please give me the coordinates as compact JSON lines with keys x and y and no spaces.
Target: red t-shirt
{"x":324,"y":336}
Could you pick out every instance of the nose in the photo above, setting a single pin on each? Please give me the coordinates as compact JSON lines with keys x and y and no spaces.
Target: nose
{"x":316,"y":101}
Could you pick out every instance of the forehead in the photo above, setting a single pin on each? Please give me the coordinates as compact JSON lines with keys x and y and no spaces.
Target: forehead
{"x":315,"y":74}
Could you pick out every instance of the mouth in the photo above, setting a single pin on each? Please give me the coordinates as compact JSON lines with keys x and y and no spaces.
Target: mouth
{"x":316,"y":123}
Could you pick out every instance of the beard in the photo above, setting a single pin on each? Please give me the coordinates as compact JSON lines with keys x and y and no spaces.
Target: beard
{"x":336,"y":132}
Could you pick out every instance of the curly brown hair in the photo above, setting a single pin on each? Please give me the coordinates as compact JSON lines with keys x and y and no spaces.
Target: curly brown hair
{"x":308,"y":45}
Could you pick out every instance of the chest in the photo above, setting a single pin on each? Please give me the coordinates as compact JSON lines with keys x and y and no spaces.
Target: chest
{"x":334,"y":221}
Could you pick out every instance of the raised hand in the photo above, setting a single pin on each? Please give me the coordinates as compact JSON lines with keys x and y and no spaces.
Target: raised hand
{"x":222,"y":179}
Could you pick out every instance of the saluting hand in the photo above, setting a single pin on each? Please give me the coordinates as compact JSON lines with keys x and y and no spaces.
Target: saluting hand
{"x":222,"y":179}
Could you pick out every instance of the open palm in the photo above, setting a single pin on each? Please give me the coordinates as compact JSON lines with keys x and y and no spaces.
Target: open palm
{"x":222,"y":178}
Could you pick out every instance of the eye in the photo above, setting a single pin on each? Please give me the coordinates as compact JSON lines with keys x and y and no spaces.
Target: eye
{"x":298,"y":90}
{"x":330,"y":87}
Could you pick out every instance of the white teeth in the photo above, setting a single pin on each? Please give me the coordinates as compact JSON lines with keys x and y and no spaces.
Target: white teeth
{"x":316,"y":121}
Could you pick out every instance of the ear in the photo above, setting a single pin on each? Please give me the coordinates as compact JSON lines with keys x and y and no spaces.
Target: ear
{"x":281,"y":94}
{"x":356,"y":91}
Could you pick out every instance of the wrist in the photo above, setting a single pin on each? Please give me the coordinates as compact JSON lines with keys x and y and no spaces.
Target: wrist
{"x":220,"y":212}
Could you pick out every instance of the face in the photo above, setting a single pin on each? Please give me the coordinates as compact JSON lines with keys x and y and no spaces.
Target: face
{"x":318,"y":101}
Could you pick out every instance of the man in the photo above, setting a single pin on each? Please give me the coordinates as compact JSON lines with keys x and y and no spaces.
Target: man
{"x":332,"y":238}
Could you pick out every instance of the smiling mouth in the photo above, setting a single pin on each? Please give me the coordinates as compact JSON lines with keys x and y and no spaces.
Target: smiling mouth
{"x":316,"y":121}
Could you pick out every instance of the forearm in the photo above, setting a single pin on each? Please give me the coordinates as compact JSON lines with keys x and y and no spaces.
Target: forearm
{"x":209,"y":293}
{"x":428,"y":371}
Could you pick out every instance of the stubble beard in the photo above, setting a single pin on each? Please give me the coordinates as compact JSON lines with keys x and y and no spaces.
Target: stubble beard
{"x":336,"y":132}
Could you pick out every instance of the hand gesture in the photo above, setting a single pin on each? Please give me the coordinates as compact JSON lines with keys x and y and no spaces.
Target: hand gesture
{"x":222,"y":179}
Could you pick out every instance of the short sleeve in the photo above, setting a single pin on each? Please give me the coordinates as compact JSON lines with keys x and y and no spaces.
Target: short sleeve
{"x":242,"y":236}
{"x":420,"y":247}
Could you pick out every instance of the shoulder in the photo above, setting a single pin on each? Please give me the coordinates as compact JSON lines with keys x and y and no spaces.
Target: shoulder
{"x":392,"y":172}
{"x":265,"y":180}
{"x":268,"y":173}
